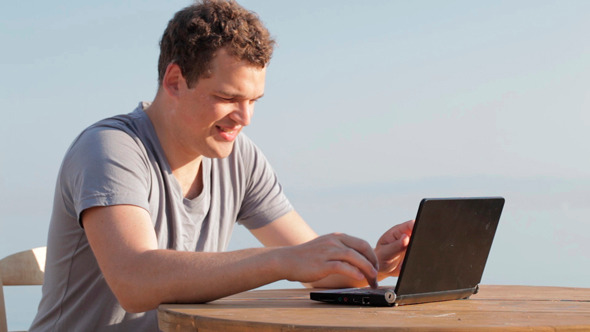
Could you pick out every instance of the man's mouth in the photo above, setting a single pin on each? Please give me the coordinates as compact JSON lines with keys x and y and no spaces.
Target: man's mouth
{"x":228,"y":134}
{"x":227,"y":130}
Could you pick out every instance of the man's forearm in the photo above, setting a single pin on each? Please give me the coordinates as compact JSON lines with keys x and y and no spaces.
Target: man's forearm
{"x":168,"y":276}
{"x":142,"y":277}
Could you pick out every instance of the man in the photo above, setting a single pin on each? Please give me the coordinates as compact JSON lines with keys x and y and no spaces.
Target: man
{"x":145,"y":203}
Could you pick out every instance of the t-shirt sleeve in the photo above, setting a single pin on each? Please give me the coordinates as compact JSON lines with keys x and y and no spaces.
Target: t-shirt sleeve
{"x":264,"y":199}
{"x":103,"y":167}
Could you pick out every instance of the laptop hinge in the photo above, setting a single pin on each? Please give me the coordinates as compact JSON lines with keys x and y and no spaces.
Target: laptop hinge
{"x":436,"y":296}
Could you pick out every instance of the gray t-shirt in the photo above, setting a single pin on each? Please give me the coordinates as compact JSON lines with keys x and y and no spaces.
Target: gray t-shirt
{"x":120,"y":161}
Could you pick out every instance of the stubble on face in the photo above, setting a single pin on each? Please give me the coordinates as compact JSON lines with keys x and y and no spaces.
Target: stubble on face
{"x":214,"y":111}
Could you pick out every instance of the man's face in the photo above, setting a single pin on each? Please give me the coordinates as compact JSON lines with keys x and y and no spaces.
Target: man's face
{"x":211,"y":114}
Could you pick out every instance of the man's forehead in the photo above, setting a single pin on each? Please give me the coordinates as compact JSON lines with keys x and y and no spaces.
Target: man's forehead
{"x":244,"y":82}
{"x":223,"y":56}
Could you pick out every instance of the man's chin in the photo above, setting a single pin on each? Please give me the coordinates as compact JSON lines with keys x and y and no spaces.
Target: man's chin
{"x":221,"y":152}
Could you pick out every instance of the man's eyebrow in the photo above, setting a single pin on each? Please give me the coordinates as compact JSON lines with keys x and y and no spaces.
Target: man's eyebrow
{"x":237,"y":95}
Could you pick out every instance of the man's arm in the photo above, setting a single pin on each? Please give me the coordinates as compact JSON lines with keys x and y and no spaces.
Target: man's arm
{"x":142,"y":276}
{"x":292,"y":230}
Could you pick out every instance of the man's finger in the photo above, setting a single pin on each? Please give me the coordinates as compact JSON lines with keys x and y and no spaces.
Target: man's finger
{"x":362,"y":256}
{"x":397,"y":232}
{"x":361,"y":247}
{"x":397,"y":246}
{"x":392,"y":253}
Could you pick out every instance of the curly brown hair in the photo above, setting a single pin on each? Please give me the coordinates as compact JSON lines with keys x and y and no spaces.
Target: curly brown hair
{"x":196,"y":32}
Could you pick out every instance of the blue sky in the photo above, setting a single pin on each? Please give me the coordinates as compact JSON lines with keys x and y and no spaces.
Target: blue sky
{"x":369,"y":106}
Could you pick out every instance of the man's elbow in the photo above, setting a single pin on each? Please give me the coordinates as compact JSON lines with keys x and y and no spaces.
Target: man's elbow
{"x":135,"y":298}
{"x":134,"y":304}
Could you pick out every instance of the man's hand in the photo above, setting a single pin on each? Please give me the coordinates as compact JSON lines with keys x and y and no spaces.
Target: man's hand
{"x":332,"y":254}
{"x":335,"y":260}
{"x":391,"y":248}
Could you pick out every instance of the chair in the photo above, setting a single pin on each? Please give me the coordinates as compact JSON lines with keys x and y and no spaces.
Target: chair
{"x":23,"y":268}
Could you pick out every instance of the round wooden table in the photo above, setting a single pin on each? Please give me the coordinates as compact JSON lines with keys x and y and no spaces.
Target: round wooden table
{"x":500,"y":308}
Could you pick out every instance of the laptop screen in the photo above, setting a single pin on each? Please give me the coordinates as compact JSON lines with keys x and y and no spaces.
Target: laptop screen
{"x":450,"y":244}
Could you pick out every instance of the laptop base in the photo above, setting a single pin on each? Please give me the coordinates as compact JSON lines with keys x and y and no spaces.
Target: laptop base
{"x":386,"y":297}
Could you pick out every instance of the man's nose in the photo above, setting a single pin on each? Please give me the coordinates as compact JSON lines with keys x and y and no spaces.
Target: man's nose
{"x":243,"y":113}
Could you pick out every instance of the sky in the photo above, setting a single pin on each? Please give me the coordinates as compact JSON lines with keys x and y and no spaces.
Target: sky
{"x":369,"y":107}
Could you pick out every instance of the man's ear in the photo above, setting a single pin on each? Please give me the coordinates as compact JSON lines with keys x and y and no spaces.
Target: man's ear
{"x":173,"y":80}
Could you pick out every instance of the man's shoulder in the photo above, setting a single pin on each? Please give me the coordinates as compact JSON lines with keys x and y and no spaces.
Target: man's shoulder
{"x":244,"y":155}
{"x":129,"y":122}
{"x":119,"y":137}
{"x":243,"y":141}
{"x":245,"y":149}
{"x":116,"y":128}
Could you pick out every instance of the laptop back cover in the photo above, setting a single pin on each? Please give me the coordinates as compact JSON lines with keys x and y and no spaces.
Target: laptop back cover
{"x":448,"y":249}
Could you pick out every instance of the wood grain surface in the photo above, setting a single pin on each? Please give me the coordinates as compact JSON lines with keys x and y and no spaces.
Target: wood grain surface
{"x":494,"y":308}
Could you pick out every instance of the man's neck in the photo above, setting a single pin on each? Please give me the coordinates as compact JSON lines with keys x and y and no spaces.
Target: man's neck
{"x":190,"y":178}
{"x":186,"y":168}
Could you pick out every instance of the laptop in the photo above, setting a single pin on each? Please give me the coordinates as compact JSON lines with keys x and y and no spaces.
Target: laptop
{"x":445,"y":258}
